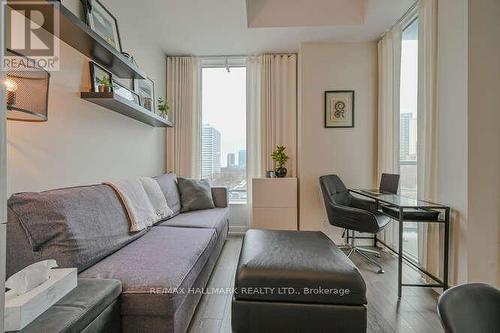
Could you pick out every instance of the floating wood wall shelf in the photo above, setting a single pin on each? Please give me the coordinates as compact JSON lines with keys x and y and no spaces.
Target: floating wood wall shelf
{"x":118,"y":104}
{"x":77,"y":34}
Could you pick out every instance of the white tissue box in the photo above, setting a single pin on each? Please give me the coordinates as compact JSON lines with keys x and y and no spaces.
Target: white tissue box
{"x":20,"y":310}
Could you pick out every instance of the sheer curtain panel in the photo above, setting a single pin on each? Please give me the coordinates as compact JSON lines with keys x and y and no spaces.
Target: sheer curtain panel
{"x":431,"y":247}
{"x":272,"y":110}
{"x":183,"y":94}
{"x":389,"y":68}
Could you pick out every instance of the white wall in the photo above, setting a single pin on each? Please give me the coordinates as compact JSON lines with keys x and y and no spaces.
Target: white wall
{"x":83,"y":143}
{"x":484,"y":142}
{"x":469,"y":136}
{"x":452,"y":140}
{"x":350,"y":153}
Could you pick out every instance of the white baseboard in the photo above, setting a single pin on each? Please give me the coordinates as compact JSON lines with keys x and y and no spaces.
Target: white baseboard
{"x":237,"y":230}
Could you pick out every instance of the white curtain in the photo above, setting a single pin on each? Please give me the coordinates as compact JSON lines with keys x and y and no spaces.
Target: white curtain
{"x":279,"y":108}
{"x":183,"y":94}
{"x":431,"y":244}
{"x":389,"y":69}
{"x":271,"y":112}
{"x":255,"y":166}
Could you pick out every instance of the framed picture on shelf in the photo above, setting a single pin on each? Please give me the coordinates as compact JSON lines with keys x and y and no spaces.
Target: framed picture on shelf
{"x":103,"y":23}
{"x":146,"y":91}
{"x":125,"y":93}
{"x":77,"y":7}
{"x":339,"y":109}
{"x":101,"y":80}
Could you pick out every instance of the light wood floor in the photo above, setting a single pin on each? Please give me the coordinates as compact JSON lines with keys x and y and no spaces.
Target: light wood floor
{"x":414,"y":313}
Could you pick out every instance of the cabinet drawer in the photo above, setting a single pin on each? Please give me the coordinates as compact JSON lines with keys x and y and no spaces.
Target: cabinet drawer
{"x":274,"y":192}
{"x":274,"y":218}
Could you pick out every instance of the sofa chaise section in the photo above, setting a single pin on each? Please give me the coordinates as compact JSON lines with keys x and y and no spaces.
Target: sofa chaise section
{"x":159,"y":272}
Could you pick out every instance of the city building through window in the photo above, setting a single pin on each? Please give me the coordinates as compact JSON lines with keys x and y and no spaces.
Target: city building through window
{"x":223,"y":153}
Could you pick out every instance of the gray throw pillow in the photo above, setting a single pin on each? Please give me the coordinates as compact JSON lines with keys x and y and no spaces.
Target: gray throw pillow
{"x":168,"y":185}
{"x":195,"y":194}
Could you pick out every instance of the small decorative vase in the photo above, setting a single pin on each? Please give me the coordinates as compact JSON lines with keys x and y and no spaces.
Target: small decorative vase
{"x":281,"y":172}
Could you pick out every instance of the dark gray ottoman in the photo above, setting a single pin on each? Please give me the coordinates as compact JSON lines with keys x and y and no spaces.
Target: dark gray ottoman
{"x":296,"y":281}
{"x":92,"y":307}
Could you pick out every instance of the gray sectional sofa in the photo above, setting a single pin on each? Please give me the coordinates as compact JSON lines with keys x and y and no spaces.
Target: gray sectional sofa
{"x":161,"y":269}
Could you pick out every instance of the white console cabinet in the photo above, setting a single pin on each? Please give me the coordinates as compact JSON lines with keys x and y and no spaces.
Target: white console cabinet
{"x":274,"y":203}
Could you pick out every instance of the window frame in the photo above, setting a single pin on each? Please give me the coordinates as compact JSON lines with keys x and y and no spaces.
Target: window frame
{"x":405,"y":24}
{"x":228,"y":62}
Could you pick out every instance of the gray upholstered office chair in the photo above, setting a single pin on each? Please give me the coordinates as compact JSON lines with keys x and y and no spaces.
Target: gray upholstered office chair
{"x":470,"y":308}
{"x":352,"y":213}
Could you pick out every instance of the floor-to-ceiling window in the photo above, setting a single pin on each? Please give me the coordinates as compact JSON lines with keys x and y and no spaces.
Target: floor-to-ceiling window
{"x":408,"y":127}
{"x":223,"y":153}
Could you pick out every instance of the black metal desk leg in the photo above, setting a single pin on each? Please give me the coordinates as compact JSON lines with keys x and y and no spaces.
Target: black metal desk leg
{"x":446,"y":248}
{"x":400,"y":250}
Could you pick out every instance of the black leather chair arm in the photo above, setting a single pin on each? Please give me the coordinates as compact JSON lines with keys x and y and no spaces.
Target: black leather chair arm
{"x":351,"y":218}
{"x":365,"y":204}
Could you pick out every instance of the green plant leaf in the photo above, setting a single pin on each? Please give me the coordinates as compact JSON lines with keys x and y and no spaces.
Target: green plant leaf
{"x":279,"y":156}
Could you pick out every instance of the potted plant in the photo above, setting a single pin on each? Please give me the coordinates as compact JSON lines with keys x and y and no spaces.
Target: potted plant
{"x":280,"y":158}
{"x":104,"y":84}
{"x":163,"y":107}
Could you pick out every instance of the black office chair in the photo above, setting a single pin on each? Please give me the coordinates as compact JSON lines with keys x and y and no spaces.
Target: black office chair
{"x":352,"y":213}
{"x":470,"y":308}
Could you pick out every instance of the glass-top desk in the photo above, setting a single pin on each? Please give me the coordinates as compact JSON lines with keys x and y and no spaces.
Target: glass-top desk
{"x":405,"y":209}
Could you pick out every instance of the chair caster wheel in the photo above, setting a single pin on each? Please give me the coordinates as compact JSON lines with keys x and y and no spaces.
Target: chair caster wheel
{"x":381,"y":271}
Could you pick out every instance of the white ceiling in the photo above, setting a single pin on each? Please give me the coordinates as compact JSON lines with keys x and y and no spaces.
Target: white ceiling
{"x":304,"y":13}
{"x":219,"y":27}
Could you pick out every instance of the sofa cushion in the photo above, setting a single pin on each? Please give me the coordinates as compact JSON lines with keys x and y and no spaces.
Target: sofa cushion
{"x":75,"y":226}
{"x":157,"y":269}
{"x":195,"y":194}
{"x":216,"y":218}
{"x":168,"y":185}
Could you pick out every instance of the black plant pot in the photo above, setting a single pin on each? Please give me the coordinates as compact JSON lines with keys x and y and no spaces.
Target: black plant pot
{"x":280,"y":172}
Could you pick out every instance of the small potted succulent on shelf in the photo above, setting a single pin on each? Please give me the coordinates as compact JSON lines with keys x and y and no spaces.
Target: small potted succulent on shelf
{"x":163,"y":107}
{"x":280,"y":158}
{"x":104,"y":84}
